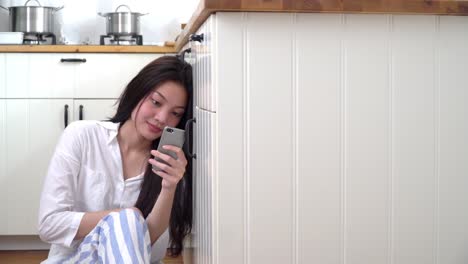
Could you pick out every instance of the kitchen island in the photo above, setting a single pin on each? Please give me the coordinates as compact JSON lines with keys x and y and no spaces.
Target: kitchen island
{"x":330,"y":131}
{"x":422,"y":7}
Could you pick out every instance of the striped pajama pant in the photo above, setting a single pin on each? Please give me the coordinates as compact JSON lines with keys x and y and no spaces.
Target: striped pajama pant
{"x":120,"y":237}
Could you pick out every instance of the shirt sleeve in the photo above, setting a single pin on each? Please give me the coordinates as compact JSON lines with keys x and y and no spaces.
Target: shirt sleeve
{"x":58,"y":224}
{"x":159,"y":248}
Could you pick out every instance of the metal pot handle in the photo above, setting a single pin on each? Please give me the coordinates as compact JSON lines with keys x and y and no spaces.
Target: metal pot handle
{"x":58,"y":8}
{"x":129,"y":10}
{"x":26,"y":4}
{"x":5,"y":8}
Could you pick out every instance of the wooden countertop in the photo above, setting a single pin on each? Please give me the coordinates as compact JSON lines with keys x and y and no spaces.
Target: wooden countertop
{"x":85,"y":49}
{"x":207,"y":7}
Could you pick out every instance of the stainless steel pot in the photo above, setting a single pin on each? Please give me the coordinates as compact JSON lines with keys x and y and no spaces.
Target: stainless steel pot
{"x":32,"y":19}
{"x":122,"y":23}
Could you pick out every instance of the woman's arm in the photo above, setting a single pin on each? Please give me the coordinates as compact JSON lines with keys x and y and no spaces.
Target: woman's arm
{"x":89,"y":222}
{"x":171,"y":173}
{"x":158,"y":219}
{"x":58,"y":222}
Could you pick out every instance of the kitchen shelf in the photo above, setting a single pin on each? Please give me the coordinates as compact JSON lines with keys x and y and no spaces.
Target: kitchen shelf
{"x":85,"y":49}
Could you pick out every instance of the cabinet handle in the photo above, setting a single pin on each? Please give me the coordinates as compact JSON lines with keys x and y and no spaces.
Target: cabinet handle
{"x":80,"y":115}
{"x":187,"y":138}
{"x":72,"y":60}
{"x":65,"y":117}
{"x":181,"y":55}
{"x":198,"y":38}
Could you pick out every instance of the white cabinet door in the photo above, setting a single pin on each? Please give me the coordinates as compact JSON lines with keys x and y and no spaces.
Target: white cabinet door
{"x":94,"y":109}
{"x":2,"y":76}
{"x":39,"y":75}
{"x":29,"y":130}
{"x":50,"y":77}
{"x":16,"y":75}
{"x":203,"y":68}
{"x":203,"y":185}
{"x":106,"y":75}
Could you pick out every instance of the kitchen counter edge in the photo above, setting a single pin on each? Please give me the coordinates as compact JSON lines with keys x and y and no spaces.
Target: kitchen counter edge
{"x":84,"y":49}
{"x":423,"y":7}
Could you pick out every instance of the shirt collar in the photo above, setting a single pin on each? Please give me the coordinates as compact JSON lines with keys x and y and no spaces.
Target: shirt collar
{"x":113,"y":129}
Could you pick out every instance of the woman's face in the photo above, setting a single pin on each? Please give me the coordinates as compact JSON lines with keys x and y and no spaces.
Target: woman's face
{"x":164,"y":106}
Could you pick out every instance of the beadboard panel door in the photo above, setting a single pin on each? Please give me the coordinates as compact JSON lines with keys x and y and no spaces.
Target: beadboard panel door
{"x":16,"y":68}
{"x":365,"y":146}
{"x":318,"y":121}
{"x":414,"y":80}
{"x":231,"y":195}
{"x":41,"y":85}
{"x":2,"y":75}
{"x":27,"y":141}
{"x":452,"y":145}
{"x":28,"y":76}
{"x":269,"y":132}
{"x":204,"y":180}
{"x":205,"y":94}
{"x":94,"y":109}
{"x":347,"y":135}
{"x":106,"y":75}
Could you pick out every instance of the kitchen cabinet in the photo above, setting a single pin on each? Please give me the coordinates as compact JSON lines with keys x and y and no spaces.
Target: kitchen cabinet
{"x":317,"y":143}
{"x":37,"y":91}
{"x":36,"y":76}
{"x":28,"y":133}
{"x":204,"y":169}
{"x":94,"y":109}
{"x":115,"y":71}
{"x":45,"y":75}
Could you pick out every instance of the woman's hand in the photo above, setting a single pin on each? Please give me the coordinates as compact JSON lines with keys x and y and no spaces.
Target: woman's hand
{"x":172,"y":172}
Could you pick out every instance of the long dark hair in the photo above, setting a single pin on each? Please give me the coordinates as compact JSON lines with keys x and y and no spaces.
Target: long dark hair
{"x":163,"y":69}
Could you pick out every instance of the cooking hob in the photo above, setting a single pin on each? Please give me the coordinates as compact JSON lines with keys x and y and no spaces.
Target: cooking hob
{"x":121,"y":40}
{"x":39,"y":39}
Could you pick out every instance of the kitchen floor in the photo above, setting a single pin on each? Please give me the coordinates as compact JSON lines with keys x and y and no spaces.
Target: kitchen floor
{"x":36,"y":256}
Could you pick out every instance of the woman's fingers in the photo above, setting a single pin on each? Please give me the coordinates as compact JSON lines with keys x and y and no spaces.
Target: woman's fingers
{"x":179,"y":152}
{"x":171,"y":170}
{"x":167,"y":168}
{"x":168,"y":181}
{"x":180,"y":161}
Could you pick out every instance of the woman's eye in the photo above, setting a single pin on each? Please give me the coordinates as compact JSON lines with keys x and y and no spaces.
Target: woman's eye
{"x":156,"y":103}
{"x":177,"y":114}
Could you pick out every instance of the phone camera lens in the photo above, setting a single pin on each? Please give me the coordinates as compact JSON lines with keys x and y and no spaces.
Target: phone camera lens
{"x":170,"y":130}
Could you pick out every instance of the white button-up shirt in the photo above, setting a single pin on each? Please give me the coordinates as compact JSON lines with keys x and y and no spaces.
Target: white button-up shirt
{"x":85,"y":175}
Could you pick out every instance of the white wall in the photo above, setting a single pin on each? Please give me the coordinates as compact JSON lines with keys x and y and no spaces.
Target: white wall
{"x":79,"y":23}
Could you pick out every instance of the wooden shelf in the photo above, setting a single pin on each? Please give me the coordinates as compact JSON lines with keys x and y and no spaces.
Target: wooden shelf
{"x":85,"y":49}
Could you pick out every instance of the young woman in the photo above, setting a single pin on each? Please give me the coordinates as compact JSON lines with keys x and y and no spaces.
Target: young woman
{"x":102,"y":202}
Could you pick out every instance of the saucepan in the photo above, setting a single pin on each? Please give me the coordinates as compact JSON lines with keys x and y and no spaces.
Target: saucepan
{"x":32,"y":19}
{"x":122,"y":23}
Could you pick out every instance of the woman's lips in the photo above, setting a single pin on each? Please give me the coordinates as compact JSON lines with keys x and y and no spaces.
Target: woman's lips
{"x":154,"y":128}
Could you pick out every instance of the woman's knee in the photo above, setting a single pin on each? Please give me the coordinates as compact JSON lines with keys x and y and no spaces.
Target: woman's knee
{"x":132,"y":218}
{"x":129,"y":217}
{"x":133,"y":212}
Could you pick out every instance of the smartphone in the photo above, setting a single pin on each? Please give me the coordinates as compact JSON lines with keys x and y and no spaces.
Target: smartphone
{"x":170,"y":136}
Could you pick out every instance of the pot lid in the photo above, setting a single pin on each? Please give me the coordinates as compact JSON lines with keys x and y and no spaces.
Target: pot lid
{"x":36,"y":6}
{"x":129,"y":11}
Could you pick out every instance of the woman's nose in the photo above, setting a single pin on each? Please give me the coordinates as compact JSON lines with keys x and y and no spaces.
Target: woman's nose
{"x":162,"y":117}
